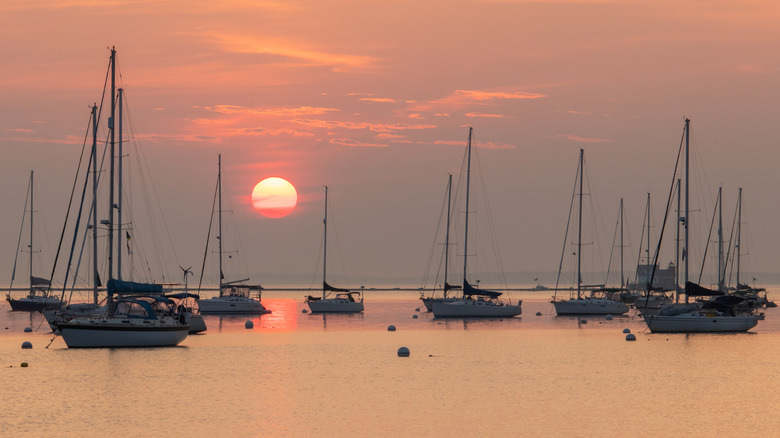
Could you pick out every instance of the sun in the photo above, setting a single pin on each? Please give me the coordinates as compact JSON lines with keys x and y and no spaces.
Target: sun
{"x":274,"y":197}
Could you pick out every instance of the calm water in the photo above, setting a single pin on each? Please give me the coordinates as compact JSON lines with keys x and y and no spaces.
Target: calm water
{"x":299,"y":374}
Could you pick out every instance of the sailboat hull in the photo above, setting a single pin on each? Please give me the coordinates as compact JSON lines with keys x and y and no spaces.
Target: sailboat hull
{"x":699,"y":323}
{"x":35,"y":303}
{"x":99,"y":333}
{"x":428,"y":301}
{"x":473,"y":308}
{"x":335,"y":305}
{"x":589,"y":307}
{"x":231,"y":304}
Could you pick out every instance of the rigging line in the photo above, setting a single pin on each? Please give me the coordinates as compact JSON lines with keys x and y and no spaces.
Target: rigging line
{"x":434,"y":245}
{"x":566,"y":233}
{"x":707,"y":246}
{"x":492,"y":236}
{"x":208,"y":238}
{"x":612,"y":248}
{"x":332,"y":222}
{"x":21,"y":228}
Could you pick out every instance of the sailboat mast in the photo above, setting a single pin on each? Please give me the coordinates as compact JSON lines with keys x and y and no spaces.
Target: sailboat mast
{"x":119,"y":195}
{"x":721,"y":267}
{"x":325,"y":244}
{"x":579,"y":231}
{"x":219,"y":221}
{"x":95,"y":277}
{"x":686,"y":253}
{"x":466,"y":233}
{"x":111,"y":183}
{"x":647,"y":249}
{"x":447,"y":237}
{"x":31,"y":229}
{"x":677,"y":247}
{"x":622,"y":281}
{"x":739,"y":231}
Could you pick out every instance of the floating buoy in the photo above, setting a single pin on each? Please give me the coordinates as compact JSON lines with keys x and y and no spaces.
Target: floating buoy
{"x":583,"y":321}
{"x":28,"y":329}
{"x":625,"y":330}
{"x":609,"y":318}
{"x":24,"y":365}
{"x":630,"y":337}
{"x":415,"y":316}
{"x":538,"y":313}
{"x":249,"y":324}
{"x":403,"y":352}
{"x":417,"y":309}
{"x":304,"y":311}
{"x":391,"y":328}
{"x":26,"y":345}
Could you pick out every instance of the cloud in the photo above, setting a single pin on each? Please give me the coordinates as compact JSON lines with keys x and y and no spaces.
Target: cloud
{"x":378,"y":99}
{"x":355,"y":143}
{"x":584,"y":139}
{"x":483,"y":115}
{"x":21,"y":130}
{"x":297,"y":112}
{"x":463,"y":99}
{"x":376,"y":127}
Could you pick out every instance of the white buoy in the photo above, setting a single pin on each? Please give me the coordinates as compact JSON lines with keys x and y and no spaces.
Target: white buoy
{"x":630,"y":337}
{"x":403,"y":352}
{"x":391,"y":328}
{"x":625,"y":330}
{"x":415,"y":316}
{"x":538,"y":313}
{"x":26,"y":345}
{"x":249,"y":324}
{"x":28,"y":329}
{"x":609,"y":318}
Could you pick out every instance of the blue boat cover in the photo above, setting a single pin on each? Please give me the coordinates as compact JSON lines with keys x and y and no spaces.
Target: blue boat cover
{"x":131,"y":287}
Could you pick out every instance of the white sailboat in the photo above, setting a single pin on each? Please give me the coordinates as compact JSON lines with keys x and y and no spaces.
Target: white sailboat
{"x":581,"y":305}
{"x":38,"y":297}
{"x":234,"y":296}
{"x":474,"y":302}
{"x":129,"y":321}
{"x":711,"y":316}
{"x":429,"y":300}
{"x":334,"y":299}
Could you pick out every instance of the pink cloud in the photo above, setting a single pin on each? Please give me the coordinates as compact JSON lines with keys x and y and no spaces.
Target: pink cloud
{"x":355,"y":143}
{"x":483,"y":115}
{"x":584,"y":139}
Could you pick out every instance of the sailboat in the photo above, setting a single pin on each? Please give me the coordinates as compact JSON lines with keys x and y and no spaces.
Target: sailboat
{"x":234,"y":296}
{"x":427,"y":301}
{"x":474,"y":302}
{"x":593,"y":305}
{"x":140,"y":316}
{"x":711,"y":316}
{"x":652,"y":297}
{"x":38,"y":297}
{"x":343,"y":300}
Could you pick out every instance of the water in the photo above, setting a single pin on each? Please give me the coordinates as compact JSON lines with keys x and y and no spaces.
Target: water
{"x":301,"y":375}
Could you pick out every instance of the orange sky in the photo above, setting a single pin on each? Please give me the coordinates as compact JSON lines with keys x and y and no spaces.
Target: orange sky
{"x":373,"y":98}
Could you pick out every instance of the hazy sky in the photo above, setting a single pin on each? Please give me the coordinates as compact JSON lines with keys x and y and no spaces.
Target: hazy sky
{"x":373,"y":98}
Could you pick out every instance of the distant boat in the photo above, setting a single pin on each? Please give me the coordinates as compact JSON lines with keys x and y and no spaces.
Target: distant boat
{"x":38,"y":297}
{"x":150,"y":320}
{"x":593,"y":305}
{"x":334,"y":299}
{"x":234,"y":296}
{"x":429,"y":300}
{"x":716,"y":315}
{"x":474,"y":302}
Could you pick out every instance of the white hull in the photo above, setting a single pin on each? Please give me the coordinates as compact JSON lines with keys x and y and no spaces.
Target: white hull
{"x":589,"y":306}
{"x":699,"y":322}
{"x":122,"y":332}
{"x":335,"y":305}
{"x":231,"y":304}
{"x":473,"y":308}
{"x":428,"y":301}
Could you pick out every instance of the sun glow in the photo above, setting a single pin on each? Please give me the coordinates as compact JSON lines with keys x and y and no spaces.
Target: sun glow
{"x":274,"y":197}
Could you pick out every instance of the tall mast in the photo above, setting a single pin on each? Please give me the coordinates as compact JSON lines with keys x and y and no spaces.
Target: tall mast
{"x":95,"y":276}
{"x":721,"y":267}
{"x":579,"y":232}
{"x":647,"y":249}
{"x":111,"y":183}
{"x":325,"y":244}
{"x":219,"y":222}
{"x":677,"y":247}
{"x":447,"y":237}
{"x":31,"y":229}
{"x":686,"y":252}
{"x":739,"y":231}
{"x":622,"y":281}
{"x":466,"y":234}
{"x":119,"y":201}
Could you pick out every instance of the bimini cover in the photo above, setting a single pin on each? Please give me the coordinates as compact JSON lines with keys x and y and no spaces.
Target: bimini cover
{"x":130,"y":287}
{"x":471,"y":290}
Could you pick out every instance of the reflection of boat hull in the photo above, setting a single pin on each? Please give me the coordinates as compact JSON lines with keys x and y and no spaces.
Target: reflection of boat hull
{"x":195,"y":322}
{"x":473,"y":308}
{"x":231,"y":304}
{"x":589,"y":306}
{"x":335,"y":305}
{"x":699,"y":322}
{"x":122,"y":332}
